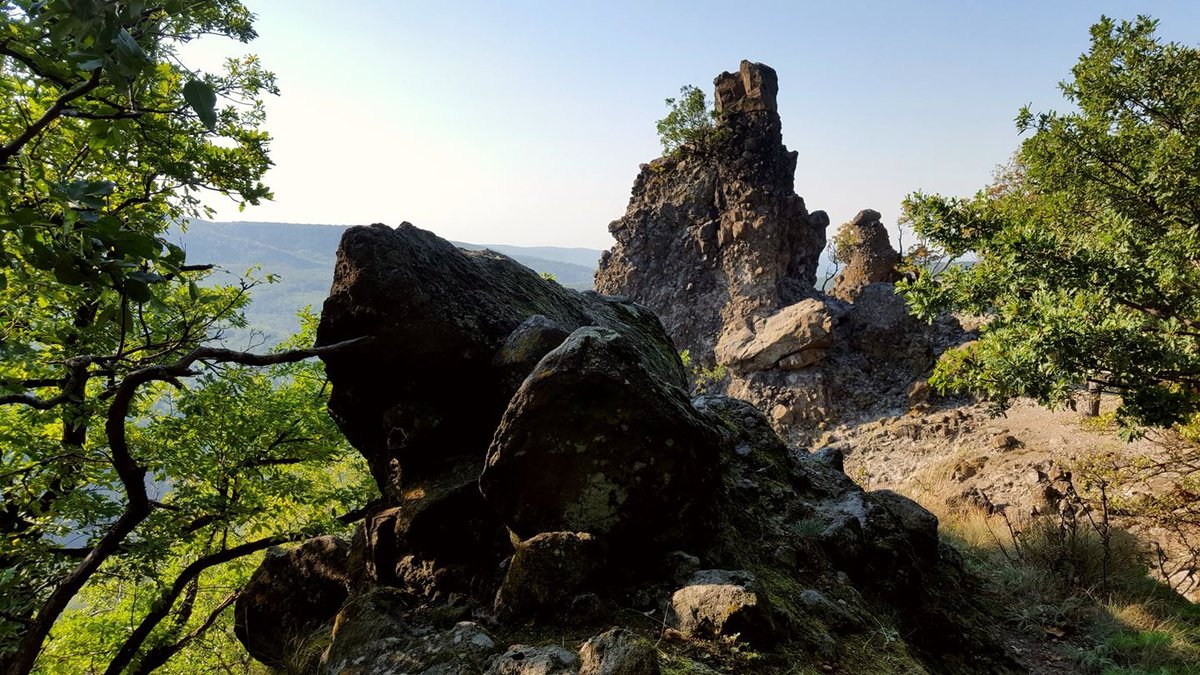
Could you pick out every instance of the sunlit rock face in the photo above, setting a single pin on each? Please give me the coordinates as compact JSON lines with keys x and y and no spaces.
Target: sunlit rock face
{"x":716,"y":241}
{"x":715,"y":234}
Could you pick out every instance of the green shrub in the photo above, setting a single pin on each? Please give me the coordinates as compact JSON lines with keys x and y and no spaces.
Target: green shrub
{"x":689,"y":119}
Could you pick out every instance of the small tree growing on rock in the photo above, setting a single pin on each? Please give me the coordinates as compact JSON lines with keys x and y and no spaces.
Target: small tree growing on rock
{"x":689,"y":119}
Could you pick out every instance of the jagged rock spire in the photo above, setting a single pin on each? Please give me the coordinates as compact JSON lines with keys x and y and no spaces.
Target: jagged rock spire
{"x":715,"y":234}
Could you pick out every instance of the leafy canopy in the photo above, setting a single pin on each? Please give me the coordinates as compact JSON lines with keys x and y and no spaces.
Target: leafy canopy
{"x":137,"y":451}
{"x":1088,"y":244}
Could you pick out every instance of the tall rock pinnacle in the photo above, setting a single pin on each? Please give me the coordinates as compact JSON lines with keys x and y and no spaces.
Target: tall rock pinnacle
{"x":715,"y":234}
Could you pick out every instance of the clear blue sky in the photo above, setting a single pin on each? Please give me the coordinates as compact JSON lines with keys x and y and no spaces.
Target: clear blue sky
{"x":525,"y":122}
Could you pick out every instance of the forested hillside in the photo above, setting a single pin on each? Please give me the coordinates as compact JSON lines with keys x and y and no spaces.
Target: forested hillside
{"x":301,"y":258}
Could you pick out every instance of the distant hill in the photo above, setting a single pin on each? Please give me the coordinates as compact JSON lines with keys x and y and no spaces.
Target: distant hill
{"x":302,"y":256}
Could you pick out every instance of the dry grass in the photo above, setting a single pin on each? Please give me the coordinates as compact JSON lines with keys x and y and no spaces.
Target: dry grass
{"x":1053,"y":581}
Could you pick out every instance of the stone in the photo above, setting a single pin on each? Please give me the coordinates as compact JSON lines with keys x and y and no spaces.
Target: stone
{"x":293,"y":595}
{"x":547,"y":571}
{"x":371,"y":635}
{"x":752,"y":89}
{"x":594,"y":442}
{"x":794,"y":331}
{"x":718,"y":603}
{"x":544,"y":660}
{"x":440,"y":317}
{"x":918,"y":392}
{"x":1005,"y":442}
{"x":865,"y":246}
{"x":444,"y":521}
{"x":618,"y":652}
{"x":882,"y":540}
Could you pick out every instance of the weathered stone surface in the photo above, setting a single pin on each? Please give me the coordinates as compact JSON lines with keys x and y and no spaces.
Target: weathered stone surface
{"x":715,"y":236}
{"x":797,"y":333}
{"x":722,"y":602}
{"x":594,"y":442}
{"x":866,"y":248}
{"x":442,"y":317}
{"x":881,"y":539}
{"x":545,"y":660}
{"x":293,"y":595}
{"x":443,"y":522}
{"x":372,"y":637}
{"x":753,"y":88}
{"x":716,"y":241}
{"x":618,"y":652}
{"x":547,"y":571}
{"x":574,"y":408}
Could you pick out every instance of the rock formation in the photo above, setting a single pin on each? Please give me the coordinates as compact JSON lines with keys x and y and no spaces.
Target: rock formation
{"x":868,"y":256}
{"x":718,"y":244}
{"x":543,"y":473}
{"x":715,"y":234}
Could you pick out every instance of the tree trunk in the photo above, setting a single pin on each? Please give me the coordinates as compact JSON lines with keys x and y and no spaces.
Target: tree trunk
{"x":1092,"y":407}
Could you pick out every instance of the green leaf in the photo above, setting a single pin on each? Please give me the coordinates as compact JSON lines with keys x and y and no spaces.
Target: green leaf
{"x":138,"y":291}
{"x":202,"y":99}
{"x":129,"y":51}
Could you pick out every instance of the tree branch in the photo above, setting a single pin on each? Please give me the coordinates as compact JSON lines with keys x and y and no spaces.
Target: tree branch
{"x":133,"y":477}
{"x":51,"y":114}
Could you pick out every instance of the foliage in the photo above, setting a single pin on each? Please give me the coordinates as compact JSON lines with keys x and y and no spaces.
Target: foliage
{"x":1087,"y":244}
{"x":703,"y":378}
{"x":242,"y":455}
{"x":137,"y":456}
{"x":689,"y":120}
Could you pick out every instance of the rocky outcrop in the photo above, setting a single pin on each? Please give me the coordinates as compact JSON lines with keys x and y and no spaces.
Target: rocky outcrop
{"x":716,"y":241}
{"x":715,"y":235}
{"x":867,"y":254}
{"x":578,"y":482}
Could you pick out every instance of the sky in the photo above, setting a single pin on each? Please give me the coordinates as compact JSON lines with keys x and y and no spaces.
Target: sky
{"x":525,"y":122}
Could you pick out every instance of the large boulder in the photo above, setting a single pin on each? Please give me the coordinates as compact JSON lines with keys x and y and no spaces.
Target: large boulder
{"x":454,"y":334}
{"x":449,"y":329}
{"x":547,"y":571}
{"x":715,"y":234}
{"x":792,"y":338}
{"x":291,"y":598}
{"x":595,"y":442}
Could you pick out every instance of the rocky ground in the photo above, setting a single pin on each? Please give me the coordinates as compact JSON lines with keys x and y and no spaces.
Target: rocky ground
{"x":958,"y":454}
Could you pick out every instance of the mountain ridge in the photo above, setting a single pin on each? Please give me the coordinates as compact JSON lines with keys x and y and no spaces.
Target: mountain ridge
{"x":302,"y":255}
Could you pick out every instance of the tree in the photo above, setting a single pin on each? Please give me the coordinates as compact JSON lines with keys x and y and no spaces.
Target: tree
{"x":1087,"y":246}
{"x":112,"y":372}
{"x":689,"y":120}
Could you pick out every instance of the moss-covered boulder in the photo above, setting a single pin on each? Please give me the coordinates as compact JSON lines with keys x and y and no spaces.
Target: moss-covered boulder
{"x":594,"y":441}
